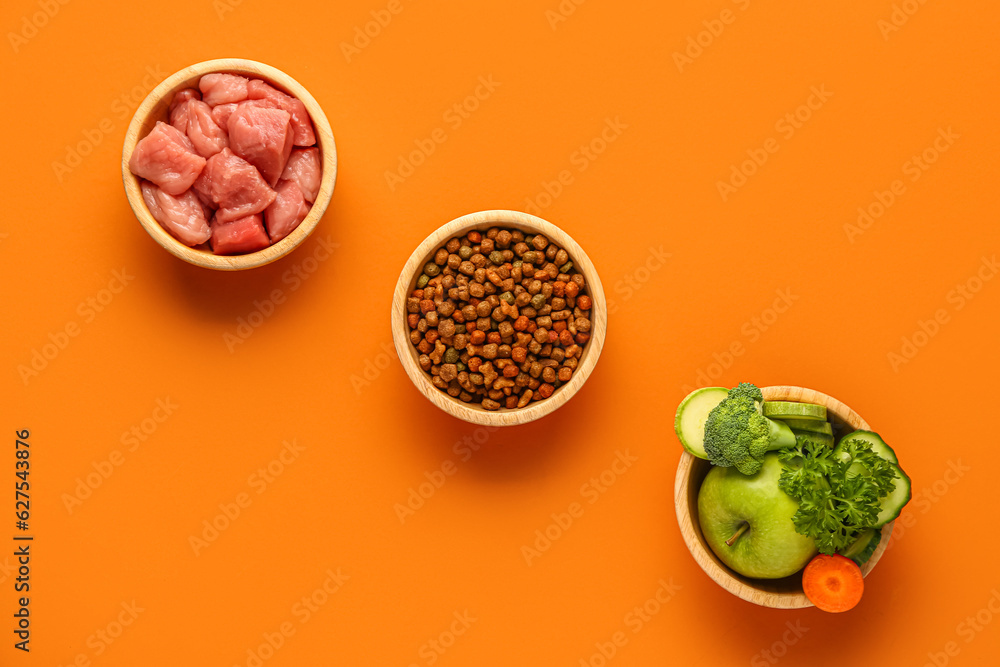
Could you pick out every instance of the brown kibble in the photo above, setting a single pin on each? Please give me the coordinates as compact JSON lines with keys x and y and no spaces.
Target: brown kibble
{"x":548,"y":374}
{"x":582,"y":324}
{"x":427,"y":305}
{"x":449,"y":372}
{"x":565,"y":374}
{"x":504,"y":238}
{"x":490,"y":404}
{"x":511,"y":402}
{"x":490,"y":351}
{"x":525,"y":398}
{"x":539,"y":242}
{"x":446,"y":327}
{"x":441,"y":256}
{"x":541,"y":335}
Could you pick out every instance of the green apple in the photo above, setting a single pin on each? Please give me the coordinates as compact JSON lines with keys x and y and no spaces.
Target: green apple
{"x":747,"y":521}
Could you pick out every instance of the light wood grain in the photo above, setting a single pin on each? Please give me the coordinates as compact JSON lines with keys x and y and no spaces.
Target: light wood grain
{"x":408,"y":354}
{"x":691,"y":471}
{"x":155,"y":108}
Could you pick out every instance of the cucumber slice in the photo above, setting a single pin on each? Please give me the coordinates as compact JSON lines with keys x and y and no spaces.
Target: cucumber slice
{"x":813,"y":425}
{"x":864,"y":546}
{"x":788,"y":409}
{"x":894,"y":503}
{"x":692,"y":413}
{"x":877,"y":443}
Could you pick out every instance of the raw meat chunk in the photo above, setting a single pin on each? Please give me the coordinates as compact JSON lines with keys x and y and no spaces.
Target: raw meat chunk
{"x":288,"y":209}
{"x":301,"y":124}
{"x":221,"y":114}
{"x":240,"y":236}
{"x":179,"y":108}
{"x":182,"y":216}
{"x":223,"y":88}
{"x":166,"y":157}
{"x":305,"y":169}
{"x":262,"y":137}
{"x":234,"y":186}
{"x":208,"y":138}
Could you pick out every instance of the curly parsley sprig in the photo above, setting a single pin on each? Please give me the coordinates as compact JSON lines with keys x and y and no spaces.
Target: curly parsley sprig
{"x":838,"y":495}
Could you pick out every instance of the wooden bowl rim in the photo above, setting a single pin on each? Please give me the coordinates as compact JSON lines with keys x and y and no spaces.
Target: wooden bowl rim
{"x":407,"y":281}
{"x":743,"y":587}
{"x":188,"y":77}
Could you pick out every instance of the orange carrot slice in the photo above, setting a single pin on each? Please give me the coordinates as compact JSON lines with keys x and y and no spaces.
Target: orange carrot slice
{"x":833,"y":583}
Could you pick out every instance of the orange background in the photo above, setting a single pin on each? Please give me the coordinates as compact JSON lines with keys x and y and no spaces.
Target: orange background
{"x":369,"y":439}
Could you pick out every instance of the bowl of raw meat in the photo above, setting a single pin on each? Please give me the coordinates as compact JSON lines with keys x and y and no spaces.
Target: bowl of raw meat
{"x":229,"y":164}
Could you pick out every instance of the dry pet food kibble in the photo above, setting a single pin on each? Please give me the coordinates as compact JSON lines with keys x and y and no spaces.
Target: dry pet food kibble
{"x":500,"y":318}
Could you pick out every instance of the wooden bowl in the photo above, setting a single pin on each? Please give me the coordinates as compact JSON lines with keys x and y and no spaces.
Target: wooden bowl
{"x":783,"y":593}
{"x":155,"y":107}
{"x":473,"y":412}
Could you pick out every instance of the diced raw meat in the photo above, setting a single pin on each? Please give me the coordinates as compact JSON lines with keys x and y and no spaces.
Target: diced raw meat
{"x":288,"y":209}
{"x":234,"y":186}
{"x":262,"y":137}
{"x":179,"y":108}
{"x":166,"y":157}
{"x":223,"y":88}
{"x":240,"y":236}
{"x":208,"y":138}
{"x":301,"y":123}
{"x":182,"y":216}
{"x":305,"y":169}
{"x":221,"y":114}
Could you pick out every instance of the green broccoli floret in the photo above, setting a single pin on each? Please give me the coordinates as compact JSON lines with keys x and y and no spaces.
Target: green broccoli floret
{"x":738,"y":434}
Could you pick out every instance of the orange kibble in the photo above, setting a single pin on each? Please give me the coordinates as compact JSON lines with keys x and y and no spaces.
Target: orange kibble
{"x":510,"y":370}
{"x":559,"y":288}
{"x":521,"y":323}
{"x":565,"y":338}
{"x":553,"y":336}
{"x":427,"y":305}
{"x":470,"y":326}
{"x":493,"y":337}
{"x":478,"y":337}
{"x":474,"y":237}
{"x":545,"y":390}
{"x":519,"y":354}
{"x":559,"y":325}
{"x":474,"y":364}
{"x":413,"y":319}
{"x":572,"y":289}
{"x":583,"y":302}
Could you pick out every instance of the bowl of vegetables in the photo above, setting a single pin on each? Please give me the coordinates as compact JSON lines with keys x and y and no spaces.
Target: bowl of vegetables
{"x":784,"y":495}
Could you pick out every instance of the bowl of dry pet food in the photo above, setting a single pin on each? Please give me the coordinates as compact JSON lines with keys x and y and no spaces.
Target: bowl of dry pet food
{"x":229,"y":164}
{"x":499,"y":318}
